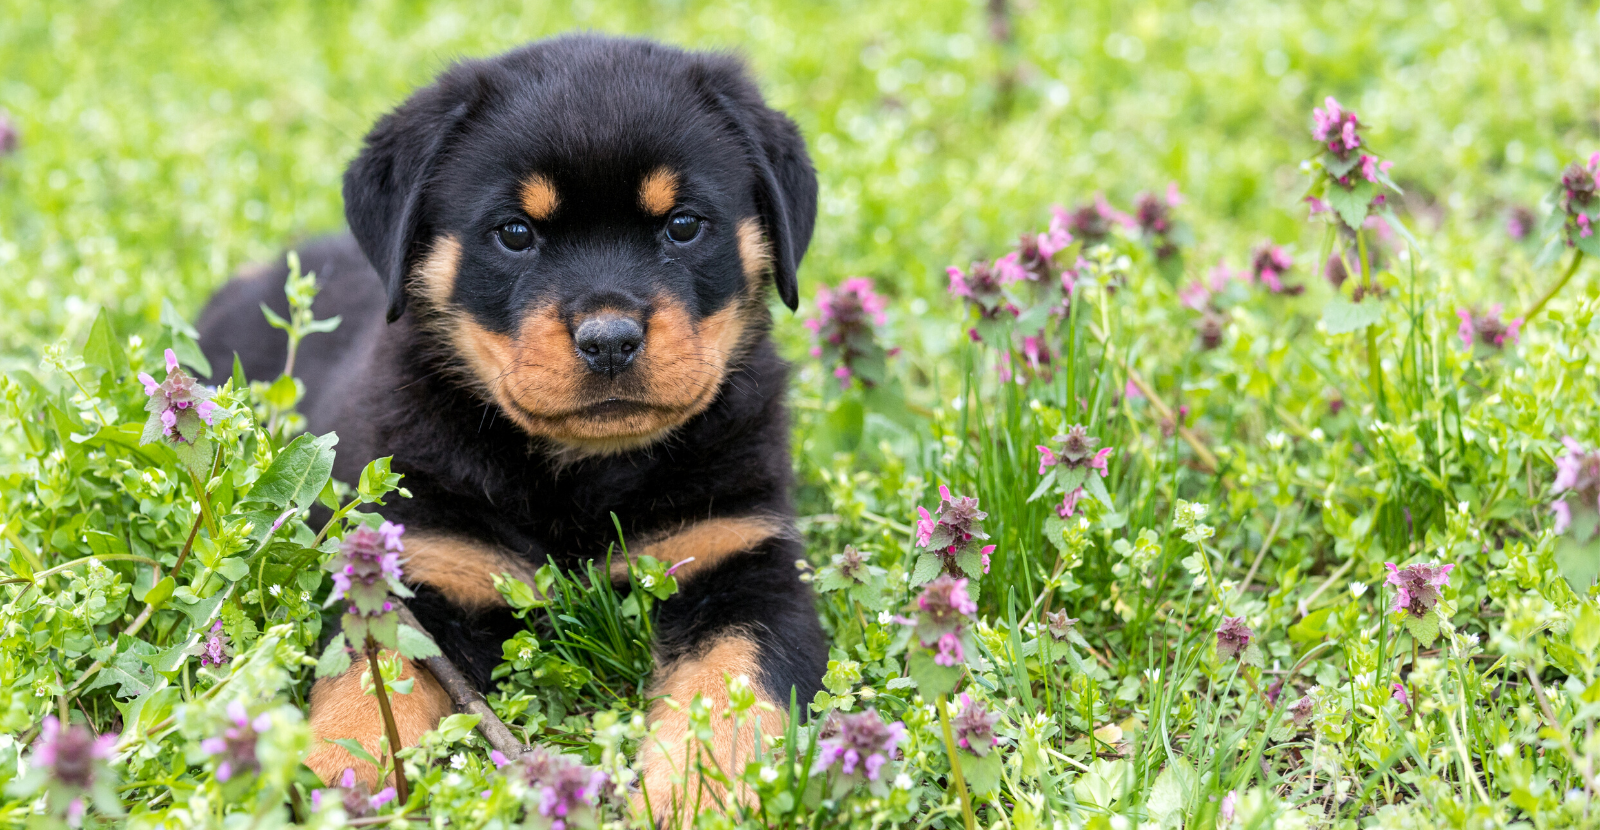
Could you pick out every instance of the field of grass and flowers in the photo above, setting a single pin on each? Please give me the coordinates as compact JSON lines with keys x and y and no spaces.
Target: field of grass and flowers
{"x":1194,"y":420}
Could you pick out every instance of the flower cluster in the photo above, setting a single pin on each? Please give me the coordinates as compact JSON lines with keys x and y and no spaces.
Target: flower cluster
{"x":365,"y":572}
{"x":70,"y":764}
{"x":567,"y":792}
{"x":214,"y":651}
{"x":1350,"y":181}
{"x":1580,"y":200}
{"x":845,"y":334}
{"x":1269,"y":263}
{"x":1093,"y":222}
{"x":179,"y":407}
{"x":1521,"y":222}
{"x":1153,"y":217}
{"x":236,"y":747}
{"x":1577,"y":484}
{"x":1072,"y":466}
{"x":8,"y":134}
{"x":353,"y":796}
{"x":948,"y":532}
{"x":1487,"y":328}
{"x":1237,"y":640}
{"x":1417,"y":587}
{"x":860,"y":745}
{"x":944,"y":612}
{"x":974,"y":727}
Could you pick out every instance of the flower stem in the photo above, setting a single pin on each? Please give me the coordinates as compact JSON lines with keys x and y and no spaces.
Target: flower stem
{"x":955,"y":764}
{"x":1577,"y":259}
{"x":1374,"y":364}
{"x":402,"y":790}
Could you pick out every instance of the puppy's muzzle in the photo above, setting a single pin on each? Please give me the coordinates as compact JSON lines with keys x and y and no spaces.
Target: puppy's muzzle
{"x":609,"y":343}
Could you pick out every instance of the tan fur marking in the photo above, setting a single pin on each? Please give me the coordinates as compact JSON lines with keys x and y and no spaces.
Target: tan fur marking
{"x":658,"y":192}
{"x":705,"y":543}
{"x":462,"y":571}
{"x":754,"y":252}
{"x":437,"y":271}
{"x":539,"y":197}
{"x":339,"y":709}
{"x":668,"y":757}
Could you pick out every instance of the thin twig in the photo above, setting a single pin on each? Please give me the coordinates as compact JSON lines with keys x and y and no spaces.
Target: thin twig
{"x":465,"y":695}
{"x":1208,"y":460}
{"x":1304,"y":606}
{"x":1577,"y":259}
{"x":402,"y":788}
{"x":1272,"y":536}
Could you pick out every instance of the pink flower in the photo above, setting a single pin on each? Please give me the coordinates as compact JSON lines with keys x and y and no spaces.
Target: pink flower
{"x":1069,"y":504}
{"x":1563,"y":513}
{"x":1233,"y":637}
{"x":984,"y":552}
{"x":1398,"y":692}
{"x":860,"y":745}
{"x":958,"y":283}
{"x":498,"y":758}
{"x":925,"y":525}
{"x":237,"y":745}
{"x":1417,"y":587}
{"x":949,"y":650}
{"x":1230,"y":807}
{"x":946,"y":599}
{"x":951,"y":527}
{"x":1578,"y":477}
{"x":1099,"y":461}
{"x":1195,"y":295}
{"x":214,"y":652}
{"x":1487,"y":328}
{"x":172,"y":361}
{"x":1047,"y":458}
{"x":150,"y":385}
{"x":1268,"y":264}
{"x":1174,"y":198}
{"x":974,"y":727}
{"x":1009,"y":268}
{"x":843,"y":329}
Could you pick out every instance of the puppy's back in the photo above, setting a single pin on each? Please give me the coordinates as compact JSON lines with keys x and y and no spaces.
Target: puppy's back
{"x":232,"y":322}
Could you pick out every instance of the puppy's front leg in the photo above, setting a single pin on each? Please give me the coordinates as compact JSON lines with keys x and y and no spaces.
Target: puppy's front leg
{"x":742,"y":611}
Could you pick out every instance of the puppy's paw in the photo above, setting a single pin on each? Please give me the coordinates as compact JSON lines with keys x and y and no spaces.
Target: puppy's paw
{"x":339,"y":709}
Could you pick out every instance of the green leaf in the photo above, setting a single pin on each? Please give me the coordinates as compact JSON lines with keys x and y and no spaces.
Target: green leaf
{"x":355,"y":748}
{"x":931,"y":678}
{"x":1169,"y":797}
{"x":457,"y":727}
{"x":416,"y":645}
{"x":1351,"y":204}
{"x":982,"y":774}
{"x":233,"y":568}
{"x":161,"y":591}
{"x":926,"y":570}
{"x":298,"y":474}
{"x":131,"y":674}
{"x":102,"y":348}
{"x":335,"y":658}
{"x":1425,"y":628}
{"x":1340,"y":316}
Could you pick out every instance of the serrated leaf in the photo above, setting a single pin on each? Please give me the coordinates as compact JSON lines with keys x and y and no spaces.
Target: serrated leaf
{"x":927,"y":568}
{"x":1340,"y":316}
{"x":1097,"y":488}
{"x":1424,"y":629}
{"x":298,"y":474}
{"x":982,"y":774}
{"x":931,"y":678}
{"x":1351,"y":204}
{"x":416,"y":645}
{"x":335,"y":658}
{"x":129,"y":671}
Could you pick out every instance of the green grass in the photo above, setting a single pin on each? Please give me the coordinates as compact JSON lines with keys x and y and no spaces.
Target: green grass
{"x":163,"y":146}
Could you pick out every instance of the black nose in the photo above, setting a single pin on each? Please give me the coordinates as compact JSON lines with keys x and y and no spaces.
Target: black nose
{"x":609,"y":344}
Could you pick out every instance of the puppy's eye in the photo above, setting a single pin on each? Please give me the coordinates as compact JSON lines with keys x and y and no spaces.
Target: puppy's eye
{"x":684,"y":227}
{"x":516,"y":236}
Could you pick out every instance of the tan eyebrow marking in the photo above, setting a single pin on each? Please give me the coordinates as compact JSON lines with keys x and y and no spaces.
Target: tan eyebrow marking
{"x":539,"y":197}
{"x":658,"y":192}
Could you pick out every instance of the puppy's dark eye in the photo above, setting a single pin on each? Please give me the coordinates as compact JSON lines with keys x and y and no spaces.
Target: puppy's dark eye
{"x":516,"y":236}
{"x":683,"y":228}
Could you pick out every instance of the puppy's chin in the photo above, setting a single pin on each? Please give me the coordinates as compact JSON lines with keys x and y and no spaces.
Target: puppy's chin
{"x":606,"y":427}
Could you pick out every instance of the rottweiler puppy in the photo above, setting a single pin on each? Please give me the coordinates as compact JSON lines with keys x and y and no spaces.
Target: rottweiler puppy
{"x":554,"y":301}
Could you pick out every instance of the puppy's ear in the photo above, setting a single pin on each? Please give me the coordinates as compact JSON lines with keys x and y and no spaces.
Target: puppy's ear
{"x":385,"y":187}
{"x":786,"y":183}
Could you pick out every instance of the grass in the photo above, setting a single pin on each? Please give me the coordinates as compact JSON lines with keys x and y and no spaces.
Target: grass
{"x":162,"y":147}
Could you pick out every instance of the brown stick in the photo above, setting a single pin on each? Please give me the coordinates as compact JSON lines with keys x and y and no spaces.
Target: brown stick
{"x":1208,"y":460}
{"x":465,"y":696}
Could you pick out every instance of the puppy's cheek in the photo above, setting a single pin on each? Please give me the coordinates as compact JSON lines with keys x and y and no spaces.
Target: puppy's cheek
{"x":670,"y":757}
{"x":340,"y":710}
{"x":683,"y":362}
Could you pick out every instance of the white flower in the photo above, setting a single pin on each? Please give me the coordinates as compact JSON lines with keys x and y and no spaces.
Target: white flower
{"x":649,"y":581}
{"x":458,"y":761}
{"x":902,"y":782}
{"x":525,"y":654}
{"x":884,"y":618}
{"x":276,"y":590}
{"x":1318,"y":435}
{"x":769,"y":774}
{"x":1357,"y":589}
{"x":305,"y":596}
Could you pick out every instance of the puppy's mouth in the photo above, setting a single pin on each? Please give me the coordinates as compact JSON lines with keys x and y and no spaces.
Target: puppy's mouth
{"x":616,"y":408}
{"x":608,"y":409}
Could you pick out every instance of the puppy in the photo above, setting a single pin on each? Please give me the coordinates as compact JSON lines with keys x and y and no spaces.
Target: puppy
{"x":554,"y":310}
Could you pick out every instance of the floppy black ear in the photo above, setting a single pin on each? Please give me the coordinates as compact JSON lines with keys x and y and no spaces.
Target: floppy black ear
{"x":385,"y":186}
{"x":786,"y":183}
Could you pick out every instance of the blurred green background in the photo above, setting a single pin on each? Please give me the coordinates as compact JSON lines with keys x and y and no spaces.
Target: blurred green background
{"x":165,"y":144}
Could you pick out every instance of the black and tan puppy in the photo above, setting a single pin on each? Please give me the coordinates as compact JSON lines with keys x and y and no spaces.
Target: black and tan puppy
{"x":554,"y":310}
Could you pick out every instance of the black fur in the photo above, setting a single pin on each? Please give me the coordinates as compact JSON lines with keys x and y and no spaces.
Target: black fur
{"x":594,"y":114}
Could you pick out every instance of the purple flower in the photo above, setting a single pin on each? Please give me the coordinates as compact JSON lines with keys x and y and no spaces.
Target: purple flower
{"x":1092,"y":222}
{"x":950,"y":529}
{"x":1398,"y":692}
{"x":8,"y":134}
{"x":71,"y":755}
{"x":843,"y":328}
{"x":1059,"y":624}
{"x":974,"y":727}
{"x":1520,"y":222}
{"x":1302,"y":710}
{"x":1417,"y":587}
{"x":945,"y":600}
{"x":1335,"y":127}
{"x":948,"y":651}
{"x":567,"y":791}
{"x":353,"y":796}
{"x":860,"y":745}
{"x":1578,"y":475}
{"x":214,"y":651}
{"x":1487,"y":328}
{"x":1268,"y":265}
{"x":1233,"y":637}
{"x":1153,"y":217}
{"x":498,"y":758}
{"x":236,"y":747}
{"x":1069,"y":503}
{"x":179,"y":407}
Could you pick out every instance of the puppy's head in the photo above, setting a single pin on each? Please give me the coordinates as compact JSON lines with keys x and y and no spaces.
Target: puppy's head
{"x":587,"y":227}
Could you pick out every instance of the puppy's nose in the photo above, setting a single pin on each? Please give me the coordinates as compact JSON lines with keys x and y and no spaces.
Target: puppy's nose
{"x":609,"y":343}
